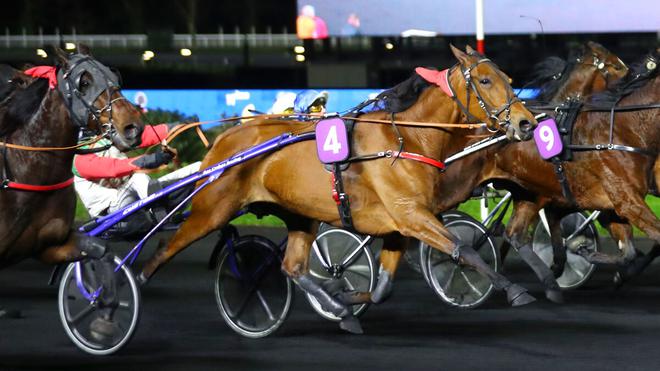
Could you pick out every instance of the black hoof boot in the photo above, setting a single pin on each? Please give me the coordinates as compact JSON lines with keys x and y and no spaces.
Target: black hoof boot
{"x":555,"y":296}
{"x":517,"y":296}
{"x":618,"y":280}
{"x":6,"y":313}
{"x":103,"y":330}
{"x":351,"y":324}
{"x":558,"y":269}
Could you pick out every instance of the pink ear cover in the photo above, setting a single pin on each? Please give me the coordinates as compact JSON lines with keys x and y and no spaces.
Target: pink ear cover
{"x":440,"y":78}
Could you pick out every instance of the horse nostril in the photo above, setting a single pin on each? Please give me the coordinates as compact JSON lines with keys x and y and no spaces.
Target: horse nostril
{"x":131,"y":131}
{"x":525,"y":126}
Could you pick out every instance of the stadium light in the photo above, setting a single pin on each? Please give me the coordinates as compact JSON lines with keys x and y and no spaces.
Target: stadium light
{"x":148,"y":55}
{"x":389,"y":46}
{"x":185,"y":52}
{"x":69,"y":46}
{"x":300,"y":57}
{"x":298,"y":49}
{"x":42,"y":53}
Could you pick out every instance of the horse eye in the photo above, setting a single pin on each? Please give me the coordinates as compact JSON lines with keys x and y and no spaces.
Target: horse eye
{"x":484,"y":81}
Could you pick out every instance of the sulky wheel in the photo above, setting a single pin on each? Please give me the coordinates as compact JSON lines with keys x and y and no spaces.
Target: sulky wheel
{"x":577,"y":269}
{"x":99,"y":309}
{"x":253,"y":295}
{"x":456,"y":284}
{"x":341,"y":261}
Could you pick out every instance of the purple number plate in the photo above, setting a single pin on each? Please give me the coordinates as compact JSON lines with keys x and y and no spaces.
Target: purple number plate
{"x":547,"y":139}
{"x":331,"y":140}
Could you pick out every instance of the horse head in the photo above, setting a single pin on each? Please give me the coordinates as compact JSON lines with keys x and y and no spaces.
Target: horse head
{"x":484,"y":94}
{"x":604,"y":65}
{"x":92,"y":93}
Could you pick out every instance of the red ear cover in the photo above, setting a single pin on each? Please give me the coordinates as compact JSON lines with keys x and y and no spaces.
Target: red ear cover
{"x":440,"y":78}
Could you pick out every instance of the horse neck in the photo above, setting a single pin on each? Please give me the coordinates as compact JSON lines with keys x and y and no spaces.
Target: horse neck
{"x":432,"y":106}
{"x":51,"y":126}
{"x":579,"y":84}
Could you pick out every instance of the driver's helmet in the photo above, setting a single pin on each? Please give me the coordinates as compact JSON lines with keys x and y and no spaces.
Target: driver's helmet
{"x":310,"y":101}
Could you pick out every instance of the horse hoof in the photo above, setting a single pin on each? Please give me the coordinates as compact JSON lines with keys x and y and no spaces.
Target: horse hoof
{"x":555,"y":296}
{"x":351,"y":324}
{"x":9,"y":313}
{"x":518,"y":296}
{"x":618,"y":280}
{"x":141,"y":279}
{"x":103,"y":330}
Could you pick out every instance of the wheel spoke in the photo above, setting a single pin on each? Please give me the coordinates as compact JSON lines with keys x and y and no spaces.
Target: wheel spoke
{"x":472,"y":287}
{"x":265,"y":306}
{"x":82,"y":314}
{"x":445,"y":287}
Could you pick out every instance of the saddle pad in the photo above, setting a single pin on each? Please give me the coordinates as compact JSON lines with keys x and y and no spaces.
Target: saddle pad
{"x":332,"y":140}
{"x":547,"y":138}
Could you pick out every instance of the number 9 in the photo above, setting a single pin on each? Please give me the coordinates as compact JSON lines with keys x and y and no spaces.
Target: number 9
{"x":547,"y":137}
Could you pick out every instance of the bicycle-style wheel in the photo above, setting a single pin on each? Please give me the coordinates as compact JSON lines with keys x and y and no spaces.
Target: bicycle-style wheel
{"x":577,"y":270}
{"x":99,"y":315}
{"x":341,"y":261}
{"x":252,"y":294}
{"x":454,"y":283}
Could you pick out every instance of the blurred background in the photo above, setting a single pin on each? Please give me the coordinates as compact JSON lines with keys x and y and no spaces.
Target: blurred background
{"x":212,"y":59}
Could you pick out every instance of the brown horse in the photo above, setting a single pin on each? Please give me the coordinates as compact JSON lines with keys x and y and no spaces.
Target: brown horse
{"x":83,"y":94}
{"x":386,"y":198}
{"x":612,"y":180}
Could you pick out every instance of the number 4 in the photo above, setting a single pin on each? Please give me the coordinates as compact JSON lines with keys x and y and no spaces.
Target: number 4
{"x":331,"y":141}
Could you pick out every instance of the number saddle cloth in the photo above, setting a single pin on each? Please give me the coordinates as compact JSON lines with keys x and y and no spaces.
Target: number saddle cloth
{"x":333,"y":149}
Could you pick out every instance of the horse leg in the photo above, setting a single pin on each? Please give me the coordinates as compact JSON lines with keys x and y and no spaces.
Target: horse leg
{"x":620,"y":232}
{"x":207,"y":215}
{"x":420,"y":223}
{"x":559,"y":257}
{"x":296,"y":265}
{"x":394,"y":245}
{"x":636,"y":266}
{"x":518,"y":236}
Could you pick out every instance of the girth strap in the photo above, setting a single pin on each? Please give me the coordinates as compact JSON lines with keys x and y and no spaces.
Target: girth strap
{"x":563,"y":181}
{"x":341,"y":198}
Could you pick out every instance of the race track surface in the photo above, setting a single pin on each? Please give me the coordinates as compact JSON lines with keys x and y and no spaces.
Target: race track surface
{"x":599,"y":328}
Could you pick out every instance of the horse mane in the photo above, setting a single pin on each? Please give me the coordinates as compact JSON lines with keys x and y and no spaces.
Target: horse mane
{"x":551,"y":74}
{"x":20,"y":105}
{"x":638,"y":75}
{"x":403,"y":95}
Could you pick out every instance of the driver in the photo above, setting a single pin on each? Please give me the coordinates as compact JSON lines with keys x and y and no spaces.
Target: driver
{"x":309,"y":102}
{"x":108,"y":180}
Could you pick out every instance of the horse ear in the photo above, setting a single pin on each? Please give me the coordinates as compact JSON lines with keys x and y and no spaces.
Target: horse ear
{"x":460,"y":55}
{"x":469,"y":50}
{"x":61,"y":57}
{"x":595,"y":47}
{"x":84,"y":50}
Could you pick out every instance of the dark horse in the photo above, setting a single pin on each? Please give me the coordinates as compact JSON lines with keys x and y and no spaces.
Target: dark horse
{"x":49,"y":112}
{"x":614,"y":181}
{"x":386,"y":198}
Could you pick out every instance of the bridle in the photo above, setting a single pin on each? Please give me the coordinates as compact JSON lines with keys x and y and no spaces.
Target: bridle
{"x":81,"y":103}
{"x":495,"y":124}
{"x":601,"y":65}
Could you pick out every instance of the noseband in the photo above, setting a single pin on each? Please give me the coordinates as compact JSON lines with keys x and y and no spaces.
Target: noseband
{"x":81,"y":103}
{"x":493,"y":114}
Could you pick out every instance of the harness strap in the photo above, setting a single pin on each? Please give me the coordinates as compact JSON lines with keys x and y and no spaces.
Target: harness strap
{"x":400,"y":154}
{"x":563,"y":181}
{"x":341,"y":198}
{"x":615,"y":147}
{"x":36,"y":188}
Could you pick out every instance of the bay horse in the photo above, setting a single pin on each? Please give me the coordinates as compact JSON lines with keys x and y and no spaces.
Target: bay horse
{"x":387,"y":198}
{"x":614,"y":181}
{"x":48,"y":109}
